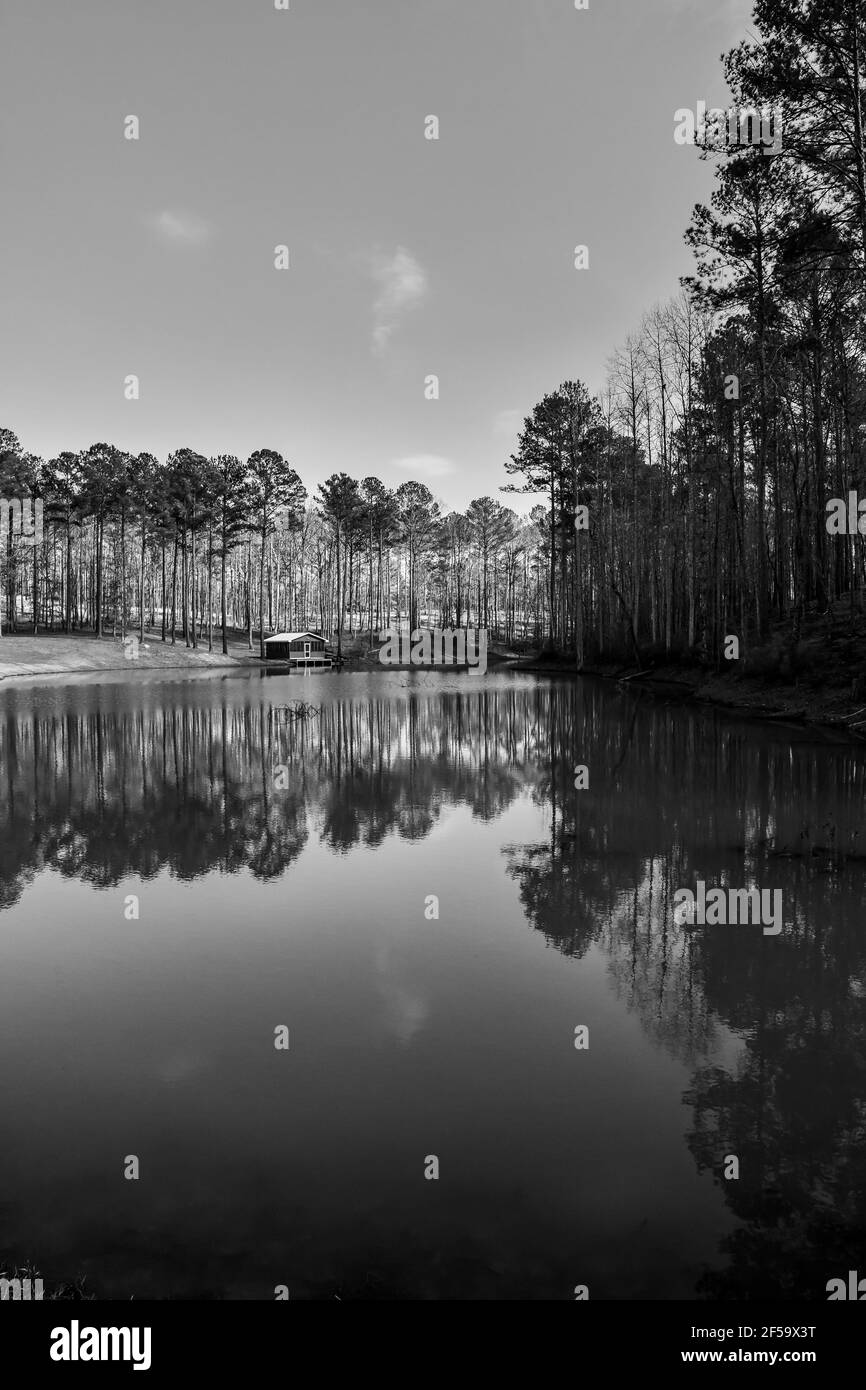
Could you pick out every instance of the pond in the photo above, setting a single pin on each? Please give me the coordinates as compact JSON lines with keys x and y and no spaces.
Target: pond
{"x":375,"y":1003}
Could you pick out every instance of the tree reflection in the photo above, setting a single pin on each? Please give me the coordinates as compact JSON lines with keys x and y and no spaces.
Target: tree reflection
{"x":773,"y":1030}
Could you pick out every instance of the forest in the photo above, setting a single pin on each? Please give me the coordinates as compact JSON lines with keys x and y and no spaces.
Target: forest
{"x":729,"y":420}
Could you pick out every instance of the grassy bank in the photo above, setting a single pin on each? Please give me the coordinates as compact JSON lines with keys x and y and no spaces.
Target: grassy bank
{"x":23,"y":656}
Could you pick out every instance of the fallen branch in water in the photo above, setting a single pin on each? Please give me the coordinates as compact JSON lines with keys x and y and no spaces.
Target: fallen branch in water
{"x":298,"y":709}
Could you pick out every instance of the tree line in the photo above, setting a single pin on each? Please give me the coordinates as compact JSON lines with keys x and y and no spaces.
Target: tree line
{"x":734,"y":413}
{"x":201,"y":543}
{"x":684,"y":501}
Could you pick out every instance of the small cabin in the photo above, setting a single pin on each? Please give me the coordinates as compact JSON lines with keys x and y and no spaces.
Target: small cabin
{"x":298,"y":648}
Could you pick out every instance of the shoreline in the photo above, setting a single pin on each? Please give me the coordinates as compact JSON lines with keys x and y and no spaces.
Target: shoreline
{"x":832,"y":711}
{"x":38,"y":673}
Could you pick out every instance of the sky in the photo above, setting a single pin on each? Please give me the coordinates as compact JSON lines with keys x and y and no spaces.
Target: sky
{"x":408,"y":257}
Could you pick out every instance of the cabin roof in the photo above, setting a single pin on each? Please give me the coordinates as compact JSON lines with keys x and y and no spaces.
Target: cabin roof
{"x":294,"y":637}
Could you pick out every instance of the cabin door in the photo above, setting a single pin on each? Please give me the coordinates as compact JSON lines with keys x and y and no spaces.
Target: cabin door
{"x":306,"y":651}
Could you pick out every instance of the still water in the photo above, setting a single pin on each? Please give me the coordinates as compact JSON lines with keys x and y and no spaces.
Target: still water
{"x":308,"y":905}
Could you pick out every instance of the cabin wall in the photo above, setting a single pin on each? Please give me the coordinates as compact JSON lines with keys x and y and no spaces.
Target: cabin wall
{"x":281,"y":651}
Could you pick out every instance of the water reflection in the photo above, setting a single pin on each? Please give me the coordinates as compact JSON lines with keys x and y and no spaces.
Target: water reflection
{"x":105,"y":785}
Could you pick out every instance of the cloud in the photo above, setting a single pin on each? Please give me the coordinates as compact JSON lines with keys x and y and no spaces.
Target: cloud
{"x":402,"y":286}
{"x":181,"y":228}
{"x":426,"y":466}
